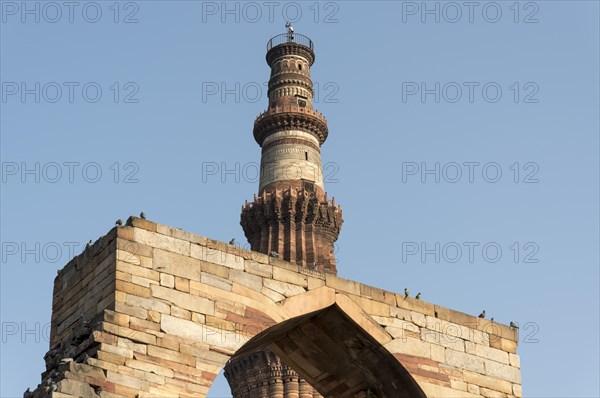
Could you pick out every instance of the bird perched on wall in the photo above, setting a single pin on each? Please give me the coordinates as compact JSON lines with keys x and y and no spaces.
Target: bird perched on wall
{"x":492,"y":319}
{"x":482,"y":315}
{"x":418,"y":296}
{"x":514,"y":325}
{"x":274,"y":254}
{"x":143,"y":215}
{"x":405,"y":293}
{"x":89,"y":244}
{"x":232,"y":241}
{"x":119,"y":222}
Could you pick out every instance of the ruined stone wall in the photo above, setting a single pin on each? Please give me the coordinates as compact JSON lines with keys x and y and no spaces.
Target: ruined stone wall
{"x":154,"y":311}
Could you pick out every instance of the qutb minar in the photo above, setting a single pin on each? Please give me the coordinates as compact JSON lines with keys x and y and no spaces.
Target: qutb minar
{"x":292,"y":217}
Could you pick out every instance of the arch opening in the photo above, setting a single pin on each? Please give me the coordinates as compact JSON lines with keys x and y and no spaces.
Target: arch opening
{"x":334,"y":354}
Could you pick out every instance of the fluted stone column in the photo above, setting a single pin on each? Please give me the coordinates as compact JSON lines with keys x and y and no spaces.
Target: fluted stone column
{"x":307,"y":391}
{"x":291,"y":384}
{"x":263,"y":375}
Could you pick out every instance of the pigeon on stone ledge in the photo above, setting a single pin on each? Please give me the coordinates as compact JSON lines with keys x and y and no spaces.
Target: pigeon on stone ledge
{"x":482,"y":315}
{"x":405,"y":293}
{"x":143,"y":215}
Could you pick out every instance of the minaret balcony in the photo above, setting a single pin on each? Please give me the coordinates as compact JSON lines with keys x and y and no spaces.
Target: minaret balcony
{"x":290,"y":38}
{"x":290,"y":117}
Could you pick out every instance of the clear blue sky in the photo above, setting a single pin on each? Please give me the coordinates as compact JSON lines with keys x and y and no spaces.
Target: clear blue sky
{"x":528,"y":102}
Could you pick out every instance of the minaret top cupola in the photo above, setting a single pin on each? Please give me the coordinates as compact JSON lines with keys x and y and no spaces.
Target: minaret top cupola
{"x":290,"y":57}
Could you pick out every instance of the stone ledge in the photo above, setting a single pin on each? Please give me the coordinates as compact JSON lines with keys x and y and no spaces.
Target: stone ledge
{"x":504,"y":333}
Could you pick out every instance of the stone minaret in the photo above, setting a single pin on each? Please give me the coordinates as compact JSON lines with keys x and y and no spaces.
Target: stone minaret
{"x":291,"y":217}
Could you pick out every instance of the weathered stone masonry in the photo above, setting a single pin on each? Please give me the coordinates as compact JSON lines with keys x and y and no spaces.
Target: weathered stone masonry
{"x":154,"y":311}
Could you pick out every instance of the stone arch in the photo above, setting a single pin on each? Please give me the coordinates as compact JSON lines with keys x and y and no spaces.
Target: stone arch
{"x":150,"y":310}
{"x":335,"y":346}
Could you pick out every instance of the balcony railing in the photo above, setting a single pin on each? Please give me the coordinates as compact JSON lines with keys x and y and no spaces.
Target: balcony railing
{"x":290,"y":38}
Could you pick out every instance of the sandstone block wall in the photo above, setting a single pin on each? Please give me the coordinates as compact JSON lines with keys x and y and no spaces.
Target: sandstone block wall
{"x":154,"y":311}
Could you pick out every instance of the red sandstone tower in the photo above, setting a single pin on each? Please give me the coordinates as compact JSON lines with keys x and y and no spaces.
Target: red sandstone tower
{"x":291,"y":217}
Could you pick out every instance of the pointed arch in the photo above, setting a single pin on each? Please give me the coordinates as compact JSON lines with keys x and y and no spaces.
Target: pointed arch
{"x":336,"y":347}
